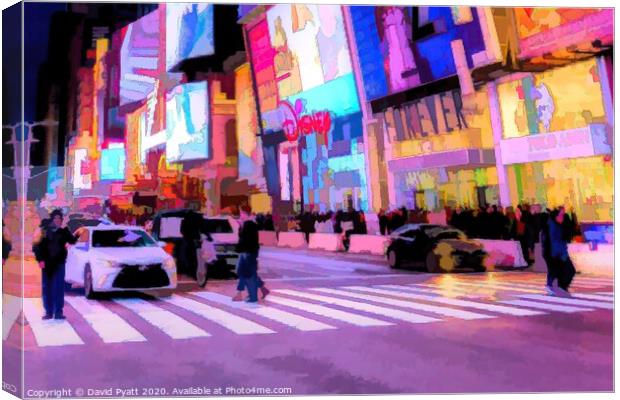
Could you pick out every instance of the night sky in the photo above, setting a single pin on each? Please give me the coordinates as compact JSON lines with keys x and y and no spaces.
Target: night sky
{"x":36,"y":32}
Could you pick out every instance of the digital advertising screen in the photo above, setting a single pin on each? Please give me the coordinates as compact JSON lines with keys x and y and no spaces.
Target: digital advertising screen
{"x":187,"y":128}
{"x":139,"y":58}
{"x":189,"y":32}
{"x":113,"y":163}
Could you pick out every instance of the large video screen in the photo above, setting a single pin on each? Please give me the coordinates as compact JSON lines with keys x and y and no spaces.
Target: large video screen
{"x":187,"y":128}
{"x":310,"y":46}
{"x":113,"y":163}
{"x":140,"y":58}
{"x":189,"y":32}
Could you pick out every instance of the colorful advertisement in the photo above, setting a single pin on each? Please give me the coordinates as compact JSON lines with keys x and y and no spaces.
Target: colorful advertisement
{"x":189,"y":32}
{"x":81,"y":170}
{"x":140,"y":58}
{"x":187,"y":133}
{"x":310,"y":45}
{"x":132,"y":145}
{"x":544,"y":30}
{"x":250,"y":149}
{"x":546,"y":102}
{"x":262,"y":58}
{"x":391,"y":62}
{"x":113,"y":163}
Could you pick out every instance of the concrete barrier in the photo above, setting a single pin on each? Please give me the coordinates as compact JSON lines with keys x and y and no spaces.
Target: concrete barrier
{"x":295,"y":240}
{"x":267,"y":238}
{"x":503,"y":253}
{"x":595,"y":262}
{"x":373,"y":244}
{"x":326,"y":241}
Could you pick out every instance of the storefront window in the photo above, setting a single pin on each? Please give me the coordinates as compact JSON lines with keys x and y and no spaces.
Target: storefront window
{"x":584,"y":184}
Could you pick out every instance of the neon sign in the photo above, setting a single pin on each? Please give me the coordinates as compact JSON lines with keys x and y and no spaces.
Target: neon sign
{"x":297,"y":124}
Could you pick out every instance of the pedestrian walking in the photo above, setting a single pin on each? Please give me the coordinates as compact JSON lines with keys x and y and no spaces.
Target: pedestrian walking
{"x":545,"y":240}
{"x":247,"y":266}
{"x":50,"y":251}
{"x":6,"y":244}
{"x":559,"y":238}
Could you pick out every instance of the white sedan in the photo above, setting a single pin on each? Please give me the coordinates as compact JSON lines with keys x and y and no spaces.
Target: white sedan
{"x":110,"y":258}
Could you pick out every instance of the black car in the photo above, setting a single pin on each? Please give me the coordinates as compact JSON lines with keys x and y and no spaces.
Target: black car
{"x":437,"y":248}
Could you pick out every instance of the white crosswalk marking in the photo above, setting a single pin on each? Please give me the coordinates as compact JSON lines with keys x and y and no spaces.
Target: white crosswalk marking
{"x":110,"y":327}
{"x":168,"y":322}
{"x":545,"y":306}
{"x":328,"y":312}
{"x":369,"y":308}
{"x":229,"y":321}
{"x":592,"y":297}
{"x":283,"y":317}
{"x":570,"y":301}
{"x":11,"y":307}
{"x":469,"y":287}
{"x":449,"y":312}
{"x":50,"y":332}
{"x":608,"y":294}
{"x":409,"y":292}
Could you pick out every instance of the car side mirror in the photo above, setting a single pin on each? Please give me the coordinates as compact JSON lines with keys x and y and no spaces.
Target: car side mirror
{"x":161,"y":244}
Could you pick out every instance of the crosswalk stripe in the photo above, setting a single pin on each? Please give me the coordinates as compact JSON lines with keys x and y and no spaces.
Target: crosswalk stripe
{"x":606,"y":281}
{"x":229,"y":321}
{"x":463,"y":286}
{"x":545,"y":306}
{"x":570,"y":301}
{"x":168,"y":322}
{"x":272,"y":313}
{"x":405,"y":291}
{"x":50,"y":332}
{"x":533,"y":285}
{"x":328,"y":312}
{"x":608,"y":294}
{"x":110,"y":327}
{"x":369,"y":308}
{"x":449,"y":312}
{"x":11,"y":307}
{"x":592,"y":297}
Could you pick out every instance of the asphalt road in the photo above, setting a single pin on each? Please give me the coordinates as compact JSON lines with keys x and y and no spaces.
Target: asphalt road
{"x":333,"y":324}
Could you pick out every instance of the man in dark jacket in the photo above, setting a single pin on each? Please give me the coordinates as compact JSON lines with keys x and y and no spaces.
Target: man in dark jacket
{"x":247,"y":266}
{"x":51,"y":253}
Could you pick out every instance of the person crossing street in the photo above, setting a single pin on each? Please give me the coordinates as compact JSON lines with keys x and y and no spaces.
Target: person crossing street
{"x":50,"y":250}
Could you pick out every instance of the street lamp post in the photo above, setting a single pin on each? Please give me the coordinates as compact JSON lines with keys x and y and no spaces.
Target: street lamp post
{"x":21,"y":170}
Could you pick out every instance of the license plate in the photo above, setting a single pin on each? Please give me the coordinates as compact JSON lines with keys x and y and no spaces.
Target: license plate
{"x":231,"y":261}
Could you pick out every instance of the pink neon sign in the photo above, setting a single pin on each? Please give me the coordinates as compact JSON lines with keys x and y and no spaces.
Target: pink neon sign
{"x":297,"y":124}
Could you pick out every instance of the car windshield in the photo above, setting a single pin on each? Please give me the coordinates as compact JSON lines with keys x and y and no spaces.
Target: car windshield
{"x":122,"y":238}
{"x":443,"y":233}
{"x":217,"y":226}
{"x":73,"y":224}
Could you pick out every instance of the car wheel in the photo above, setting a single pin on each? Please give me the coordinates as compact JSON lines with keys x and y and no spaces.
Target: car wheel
{"x":432,"y":263}
{"x":393,"y":259}
{"x":89,"y":292}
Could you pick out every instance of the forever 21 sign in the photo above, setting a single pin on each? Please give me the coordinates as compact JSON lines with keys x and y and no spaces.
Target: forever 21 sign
{"x":296,"y":123}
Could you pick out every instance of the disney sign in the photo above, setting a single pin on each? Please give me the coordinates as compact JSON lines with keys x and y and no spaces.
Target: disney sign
{"x":296,"y":124}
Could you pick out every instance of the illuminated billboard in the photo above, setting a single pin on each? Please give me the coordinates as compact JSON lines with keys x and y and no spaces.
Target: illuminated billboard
{"x":113,"y":163}
{"x":81,"y":170}
{"x":187,"y":132}
{"x":310,"y":46}
{"x":140,"y":58}
{"x":189,"y":32}
{"x":545,"y":30}
{"x":250,"y":154}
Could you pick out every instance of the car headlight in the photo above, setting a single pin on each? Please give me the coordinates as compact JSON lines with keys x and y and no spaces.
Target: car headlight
{"x":169,"y":263}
